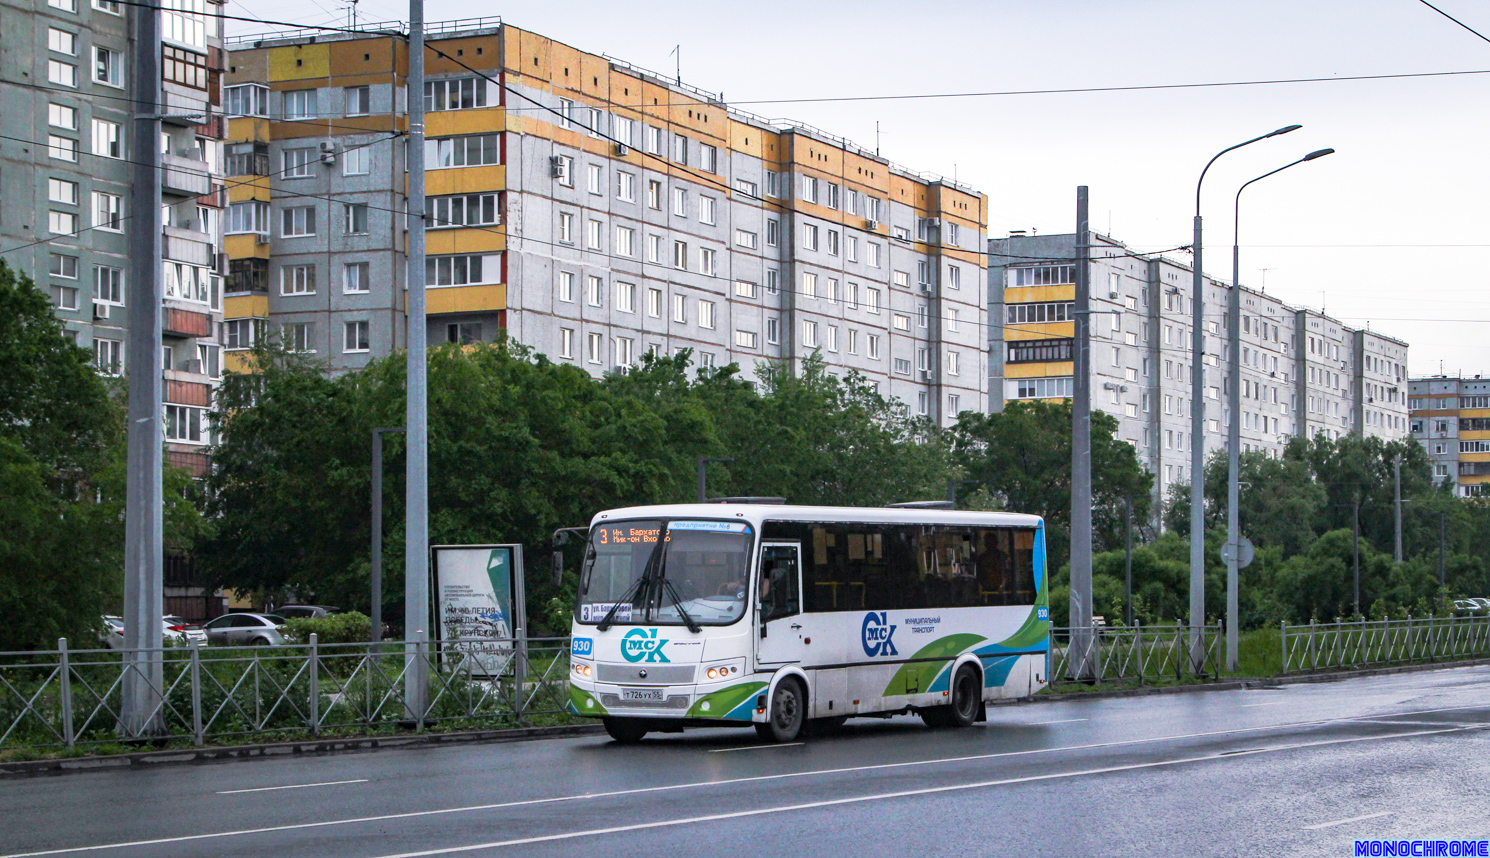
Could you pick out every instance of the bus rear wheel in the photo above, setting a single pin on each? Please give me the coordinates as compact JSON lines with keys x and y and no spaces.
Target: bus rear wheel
{"x":626,"y":731}
{"x":788,"y":712}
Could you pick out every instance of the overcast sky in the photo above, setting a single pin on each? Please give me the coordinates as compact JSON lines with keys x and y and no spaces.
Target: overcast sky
{"x":1388,"y":231}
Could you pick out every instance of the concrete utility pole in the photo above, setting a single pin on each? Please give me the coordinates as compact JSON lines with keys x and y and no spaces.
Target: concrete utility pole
{"x":1397,"y":509}
{"x":377,"y":532}
{"x":416,"y":527}
{"x":1197,"y":419}
{"x":1081,"y":455}
{"x":1355,"y":529}
{"x":141,"y":700}
{"x":1128,"y":561}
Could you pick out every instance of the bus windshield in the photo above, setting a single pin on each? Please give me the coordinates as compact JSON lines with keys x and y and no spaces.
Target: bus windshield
{"x":699,"y":572}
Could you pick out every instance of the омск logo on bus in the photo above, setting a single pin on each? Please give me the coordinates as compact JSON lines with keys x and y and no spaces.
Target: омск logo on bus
{"x":643,"y":645}
{"x":878,"y":635}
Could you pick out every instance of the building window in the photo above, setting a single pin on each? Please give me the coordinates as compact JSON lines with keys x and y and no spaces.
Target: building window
{"x":954,"y":404}
{"x":595,"y":179}
{"x":748,"y":240}
{"x":185,"y":424}
{"x":242,"y":333}
{"x":900,"y":322}
{"x":773,"y":232}
{"x":680,"y":255}
{"x":359,"y":100}
{"x":108,"y":355}
{"x":809,"y":334}
{"x":62,"y":191}
{"x":65,"y":5}
{"x":299,"y":336}
{"x":62,"y":116}
{"x":65,"y":297}
{"x":706,"y":314}
{"x":749,"y":189}
{"x":248,"y":275}
{"x":564,"y":170}
{"x":455,"y":270}
{"x":463,"y":210}
{"x":246,"y":159}
{"x":594,"y":344}
{"x":566,"y":342}
{"x":809,"y":236}
{"x":902,"y":366}
{"x":355,"y":278}
{"x":299,"y":104}
{"x":809,"y":284}
{"x":708,"y":158}
{"x":356,"y":218}
{"x":773,"y":331}
{"x":297,"y":163}
{"x":706,"y":210}
{"x":625,"y":186}
{"x":680,"y":309}
{"x":654,"y":303}
{"x":356,"y":160}
{"x":471,"y":150}
{"x":954,"y":363}
{"x":463,"y":333}
{"x":63,"y":74}
{"x":106,"y":211}
{"x":954,"y":277}
{"x":62,"y":265}
{"x":248,"y":217}
{"x":745,"y":339}
{"x":832,"y":340}
{"x":298,"y":221}
{"x":654,"y":194}
{"x":625,"y":236}
{"x":872,"y":300}
{"x":901,"y":279}
{"x":594,"y":288}
{"x":654,"y":248}
{"x":1032,"y":351}
{"x":108,"y":66}
{"x":566,"y":286}
{"x":680,"y":202}
{"x":625,"y":351}
{"x":873,"y":342}
{"x":1045,"y":275}
{"x":566,"y":228}
{"x":187,"y":68}
{"x":1060,"y":311}
{"x":592,"y":234}
{"x":62,"y":41}
{"x":1043,"y":388}
{"x":457,"y":93}
{"x":625,"y":298}
{"x":873,"y":254}
{"x":744,"y":289}
{"x":773,"y":284}
{"x":680,"y":149}
{"x":622,"y":130}
{"x":247,"y":100}
{"x":297,"y":280}
{"x":706,"y":259}
{"x":355,"y":337}
{"x":832,"y":242}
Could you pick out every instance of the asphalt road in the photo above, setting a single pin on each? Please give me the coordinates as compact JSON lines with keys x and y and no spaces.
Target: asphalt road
{"x":1301,"y":770}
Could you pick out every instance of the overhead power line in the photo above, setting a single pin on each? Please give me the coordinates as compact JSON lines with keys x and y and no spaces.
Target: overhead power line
{"x":1455,"y":20}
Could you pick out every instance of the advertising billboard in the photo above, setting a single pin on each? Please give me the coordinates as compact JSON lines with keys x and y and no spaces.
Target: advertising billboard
{"x":479,"y":604}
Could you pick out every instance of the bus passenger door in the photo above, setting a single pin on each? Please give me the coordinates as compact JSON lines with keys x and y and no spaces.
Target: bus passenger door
{"x":779,"y":607}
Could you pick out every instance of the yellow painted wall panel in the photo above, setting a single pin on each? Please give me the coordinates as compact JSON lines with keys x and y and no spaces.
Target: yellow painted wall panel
{"x":465,"y":180}
{"x":1039,"y":330}
{"x":438,"y":241}
{"x":1037,"y":370}
{"x":248,"y":188}
{"x":244,"y":247}
{"x":466,"y":299}
{"x":299,"y":62}
{"x":245,"y":306}
{"x":238,"y":362}
{"x":244,"y":129}
{"x":1031,"y":294}
{"x":444,"y":123}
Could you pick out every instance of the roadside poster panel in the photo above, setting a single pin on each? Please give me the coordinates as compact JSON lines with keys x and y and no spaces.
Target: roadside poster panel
{"x":479,"y":604}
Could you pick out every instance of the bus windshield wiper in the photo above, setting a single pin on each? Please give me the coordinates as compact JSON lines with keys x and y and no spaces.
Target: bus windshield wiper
{"x":642,"y":580}
{"x":688,"y":620}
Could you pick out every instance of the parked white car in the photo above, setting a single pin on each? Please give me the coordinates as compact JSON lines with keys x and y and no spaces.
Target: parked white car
{"x":175,"y":631}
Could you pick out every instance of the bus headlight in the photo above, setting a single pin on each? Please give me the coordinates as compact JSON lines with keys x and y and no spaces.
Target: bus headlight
{"x":582,"y":669}
{"x":713,"y":673}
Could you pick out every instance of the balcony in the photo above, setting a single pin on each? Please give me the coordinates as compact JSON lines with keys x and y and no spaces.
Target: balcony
{"x":185,"y":177}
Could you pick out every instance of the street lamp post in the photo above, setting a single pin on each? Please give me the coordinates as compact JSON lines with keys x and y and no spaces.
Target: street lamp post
{"x":1234,"y":404}
{"x":1197,"y":421}
{"x":703,"y":475}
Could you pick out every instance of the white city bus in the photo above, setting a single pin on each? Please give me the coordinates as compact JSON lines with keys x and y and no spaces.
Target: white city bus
{"x":771,"y":615}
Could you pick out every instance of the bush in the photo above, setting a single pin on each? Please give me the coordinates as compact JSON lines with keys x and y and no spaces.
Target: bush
{"x":350,"y":627}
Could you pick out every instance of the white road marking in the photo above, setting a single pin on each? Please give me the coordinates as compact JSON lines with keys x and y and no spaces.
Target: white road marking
{"x":1345,"y":821}
{"x":813,"y":805}
{"x":755,"y":747}
{"x":290,"y":786}
{"x":1274,"y":703}
{"x":300,"y":826}
{"x":1042,"y":723}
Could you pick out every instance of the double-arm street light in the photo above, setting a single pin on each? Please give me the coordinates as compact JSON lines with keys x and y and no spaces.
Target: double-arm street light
{"x":1234,"y":404}
{"x":1197,"y":420}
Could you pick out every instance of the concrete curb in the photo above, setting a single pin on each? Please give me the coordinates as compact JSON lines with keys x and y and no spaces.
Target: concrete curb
{"x":1245,"y":683}
{"x":145,"y":759}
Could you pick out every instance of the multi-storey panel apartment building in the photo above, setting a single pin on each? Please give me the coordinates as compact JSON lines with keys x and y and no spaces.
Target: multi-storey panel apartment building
{"x":1303,"y":373}
{"x":592,"y":210}
{"x":65,"y":175}
{"x":1450,"y":417}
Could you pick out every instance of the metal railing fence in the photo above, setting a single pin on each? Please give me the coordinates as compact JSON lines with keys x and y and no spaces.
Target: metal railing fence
{"x":1145,"y":653}
{"x":69,"y":698}
{"x":1375,"y":643}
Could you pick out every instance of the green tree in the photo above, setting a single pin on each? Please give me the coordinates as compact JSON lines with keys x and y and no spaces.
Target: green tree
{"x":1023,"y":456}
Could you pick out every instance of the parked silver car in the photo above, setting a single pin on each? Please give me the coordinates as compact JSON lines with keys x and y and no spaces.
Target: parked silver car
{"x":246,"y":630}
{"x":305,"y":612}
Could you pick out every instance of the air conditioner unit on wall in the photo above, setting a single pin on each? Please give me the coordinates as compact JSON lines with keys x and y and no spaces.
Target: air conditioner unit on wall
{"x":555,"y":167}
{"x":926,"y":375}
{"x":100,"y":310}
{"x":622,"y":150}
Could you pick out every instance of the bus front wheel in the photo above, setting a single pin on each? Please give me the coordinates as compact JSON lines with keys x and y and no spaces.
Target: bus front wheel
{"x":625,"y":731}
{"x":962,"y":709}
{"x":788,"y":712}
